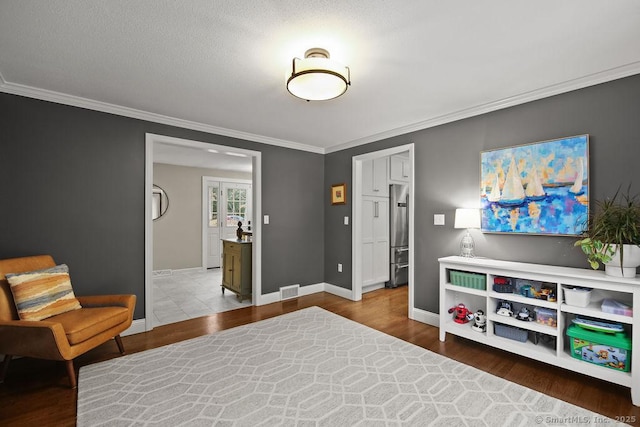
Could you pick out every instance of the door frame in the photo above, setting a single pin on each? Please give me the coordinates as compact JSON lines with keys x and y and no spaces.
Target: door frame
{"x":205,"y":209}
{"x":256,"y":186}
{"x":356,"y":230}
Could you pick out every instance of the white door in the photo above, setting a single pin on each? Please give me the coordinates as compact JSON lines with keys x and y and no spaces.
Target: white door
{"x":213,"y":225}
{"x":235,"y":204}
{"x":224,"y":204}
{"x":375,"y":240}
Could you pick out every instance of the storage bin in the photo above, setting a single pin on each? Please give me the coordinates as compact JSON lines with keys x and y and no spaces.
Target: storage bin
{"x":615,"y":307}
{"x":510,"y":332}
{"x":610,"y":350}
{"x":468,"y":280}
{"x":546,"y":316}
{"x":577,"y":296}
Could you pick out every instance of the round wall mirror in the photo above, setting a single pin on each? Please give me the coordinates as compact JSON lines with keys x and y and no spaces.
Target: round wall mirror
{"x":159,"y":202}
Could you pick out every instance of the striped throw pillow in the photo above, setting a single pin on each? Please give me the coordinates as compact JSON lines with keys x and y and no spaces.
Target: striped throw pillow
{"x":44,"y":293}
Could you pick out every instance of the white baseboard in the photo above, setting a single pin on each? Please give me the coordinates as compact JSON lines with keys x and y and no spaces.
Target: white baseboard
{"x":307,"y":290}
{"x":137,"y":326}
{"x":424,"y":316}
{"x":337,"y":290}
{"x":372,"y":288}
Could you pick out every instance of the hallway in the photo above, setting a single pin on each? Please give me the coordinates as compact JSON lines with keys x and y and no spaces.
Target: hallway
{"x":188,"y":294}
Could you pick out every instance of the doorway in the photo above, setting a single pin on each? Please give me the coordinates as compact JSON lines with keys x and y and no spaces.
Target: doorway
{"x":152,"y":140}
{"x":359,"y":208}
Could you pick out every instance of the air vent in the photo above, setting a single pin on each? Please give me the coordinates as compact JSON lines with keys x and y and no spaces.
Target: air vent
{"x":288,"y":292}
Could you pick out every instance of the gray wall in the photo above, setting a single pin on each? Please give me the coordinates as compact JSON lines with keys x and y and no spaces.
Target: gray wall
{"x":72,"y":185}
{"x":447,"y":175}
{"x":177,"y":235}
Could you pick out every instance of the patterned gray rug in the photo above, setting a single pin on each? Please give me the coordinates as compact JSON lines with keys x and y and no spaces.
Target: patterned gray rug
{"x":307,"y":368}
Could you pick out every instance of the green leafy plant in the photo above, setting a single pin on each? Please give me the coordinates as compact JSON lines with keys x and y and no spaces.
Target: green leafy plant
{"x":614,"y":222}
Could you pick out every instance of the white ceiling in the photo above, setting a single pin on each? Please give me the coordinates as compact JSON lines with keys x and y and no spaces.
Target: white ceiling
{"x":220,"y":66}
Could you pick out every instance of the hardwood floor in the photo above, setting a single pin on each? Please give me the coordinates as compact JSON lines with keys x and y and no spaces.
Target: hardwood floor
{"x":36,"y":392}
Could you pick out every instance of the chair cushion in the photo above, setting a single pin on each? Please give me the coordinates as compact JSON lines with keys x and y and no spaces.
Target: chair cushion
{"x":80,"y":325}
{"x":41,"y":294}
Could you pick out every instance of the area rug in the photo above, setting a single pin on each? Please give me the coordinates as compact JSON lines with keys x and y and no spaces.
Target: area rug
{"x":307,"y":368}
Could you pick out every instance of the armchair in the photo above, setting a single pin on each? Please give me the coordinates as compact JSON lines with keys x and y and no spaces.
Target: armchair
{"x":64,"y":336}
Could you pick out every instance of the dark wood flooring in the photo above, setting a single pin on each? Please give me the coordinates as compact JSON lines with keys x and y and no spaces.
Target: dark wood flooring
{"x":36,"y":393}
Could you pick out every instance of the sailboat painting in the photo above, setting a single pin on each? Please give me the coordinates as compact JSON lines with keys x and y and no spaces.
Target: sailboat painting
{"x":537,"y":188}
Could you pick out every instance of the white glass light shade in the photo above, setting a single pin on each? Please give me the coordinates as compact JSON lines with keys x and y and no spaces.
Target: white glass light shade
{"x":318,"y":78}
{"x":467,"y":218}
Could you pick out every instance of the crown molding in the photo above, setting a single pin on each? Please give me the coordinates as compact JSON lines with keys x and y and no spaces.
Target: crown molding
{"x":90,"y":104}
{"x":545,"y":92}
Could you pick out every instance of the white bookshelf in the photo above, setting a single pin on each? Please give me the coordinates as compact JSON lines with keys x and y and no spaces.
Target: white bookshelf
{"x":625,"y":289}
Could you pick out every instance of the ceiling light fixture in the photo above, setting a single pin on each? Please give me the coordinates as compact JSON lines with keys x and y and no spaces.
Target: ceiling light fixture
{"x":233,"y":153}
{"x":317,"y":77}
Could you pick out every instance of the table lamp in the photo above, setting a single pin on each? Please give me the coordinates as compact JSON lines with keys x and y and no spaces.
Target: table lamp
{"x":467,"y":218}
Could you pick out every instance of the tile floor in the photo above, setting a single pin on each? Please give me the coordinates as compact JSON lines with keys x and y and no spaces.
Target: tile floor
{"x":188,"y":294}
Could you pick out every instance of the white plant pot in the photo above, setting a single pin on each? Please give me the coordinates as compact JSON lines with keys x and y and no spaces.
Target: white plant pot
{"x":631,"y":263}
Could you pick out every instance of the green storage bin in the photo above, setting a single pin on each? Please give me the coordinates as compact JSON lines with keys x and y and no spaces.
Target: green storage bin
{"x":468,"y":280}
{"x":610,"y":350}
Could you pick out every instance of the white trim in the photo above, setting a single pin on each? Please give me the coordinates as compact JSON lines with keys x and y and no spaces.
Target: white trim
{"x":372,"y":288}
{"x":137,"y":326}
{"x":90,"y":104}
{"x":545,"y":92}
{"x":534,"y":95}
{"x":356,"y":229}
{"x":338,"y":291}
{"x":424,"y":316}
{"x":269,"y":298}
{"x":256,"y":184}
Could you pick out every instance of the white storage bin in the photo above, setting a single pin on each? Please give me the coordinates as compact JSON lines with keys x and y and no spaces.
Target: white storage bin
{"x":577,"y":296}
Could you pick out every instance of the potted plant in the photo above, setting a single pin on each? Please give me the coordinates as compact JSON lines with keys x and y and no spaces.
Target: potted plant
{"x":612,"y":235}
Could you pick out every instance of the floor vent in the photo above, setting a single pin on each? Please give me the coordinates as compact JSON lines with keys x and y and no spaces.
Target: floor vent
{"x":288,"y":292}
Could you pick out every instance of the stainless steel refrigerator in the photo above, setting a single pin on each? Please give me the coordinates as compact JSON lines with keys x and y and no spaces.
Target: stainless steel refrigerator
{"x":398,"y":235}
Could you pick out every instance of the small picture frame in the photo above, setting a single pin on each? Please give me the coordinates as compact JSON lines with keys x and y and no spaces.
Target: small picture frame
{"x":339,"y":194}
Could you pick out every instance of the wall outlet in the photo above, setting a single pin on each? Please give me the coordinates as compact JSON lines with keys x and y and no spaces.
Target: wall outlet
{"x":438,"y":219}
{"x":266,"y":219}
{"x":339,"y":268}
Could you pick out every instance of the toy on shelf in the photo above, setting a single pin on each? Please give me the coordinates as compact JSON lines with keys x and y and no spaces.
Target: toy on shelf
{"x":502,"y":285}
{"x":461,"y":314}
{"x":505,"y":308}
{"x":524,"y":314}
{"x":479,"y":321}
{"x":531,"y":291}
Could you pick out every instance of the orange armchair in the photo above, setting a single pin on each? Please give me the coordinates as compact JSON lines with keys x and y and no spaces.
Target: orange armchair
{"x":64,"y":336}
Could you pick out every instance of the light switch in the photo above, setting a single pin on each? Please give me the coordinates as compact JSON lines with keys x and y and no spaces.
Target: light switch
{"x":339,"y":268}
{"x":346,"y":220}
{"x":438,"y":219}
{"x":266,"y":219}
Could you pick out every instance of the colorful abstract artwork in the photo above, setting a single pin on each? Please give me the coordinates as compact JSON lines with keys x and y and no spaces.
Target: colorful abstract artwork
{"x":538,"y":188}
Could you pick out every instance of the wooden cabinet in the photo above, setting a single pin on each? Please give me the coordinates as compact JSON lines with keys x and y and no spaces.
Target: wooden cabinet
{"x":375,"y":177}
{"x":375,"y":240}
{"x":469,"y":281}
{"x":399,"y":169}
{"x":236,"y":267}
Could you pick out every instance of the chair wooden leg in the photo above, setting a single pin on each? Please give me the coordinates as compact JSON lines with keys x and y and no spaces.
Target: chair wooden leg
{"x":72,"y":373}
{"x":119,"y":342}
{"x":5,"y":367}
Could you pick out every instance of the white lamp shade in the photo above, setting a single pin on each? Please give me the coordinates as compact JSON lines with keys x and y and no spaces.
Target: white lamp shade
{"x":467,"y":218}
{"x":318,"y":78}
